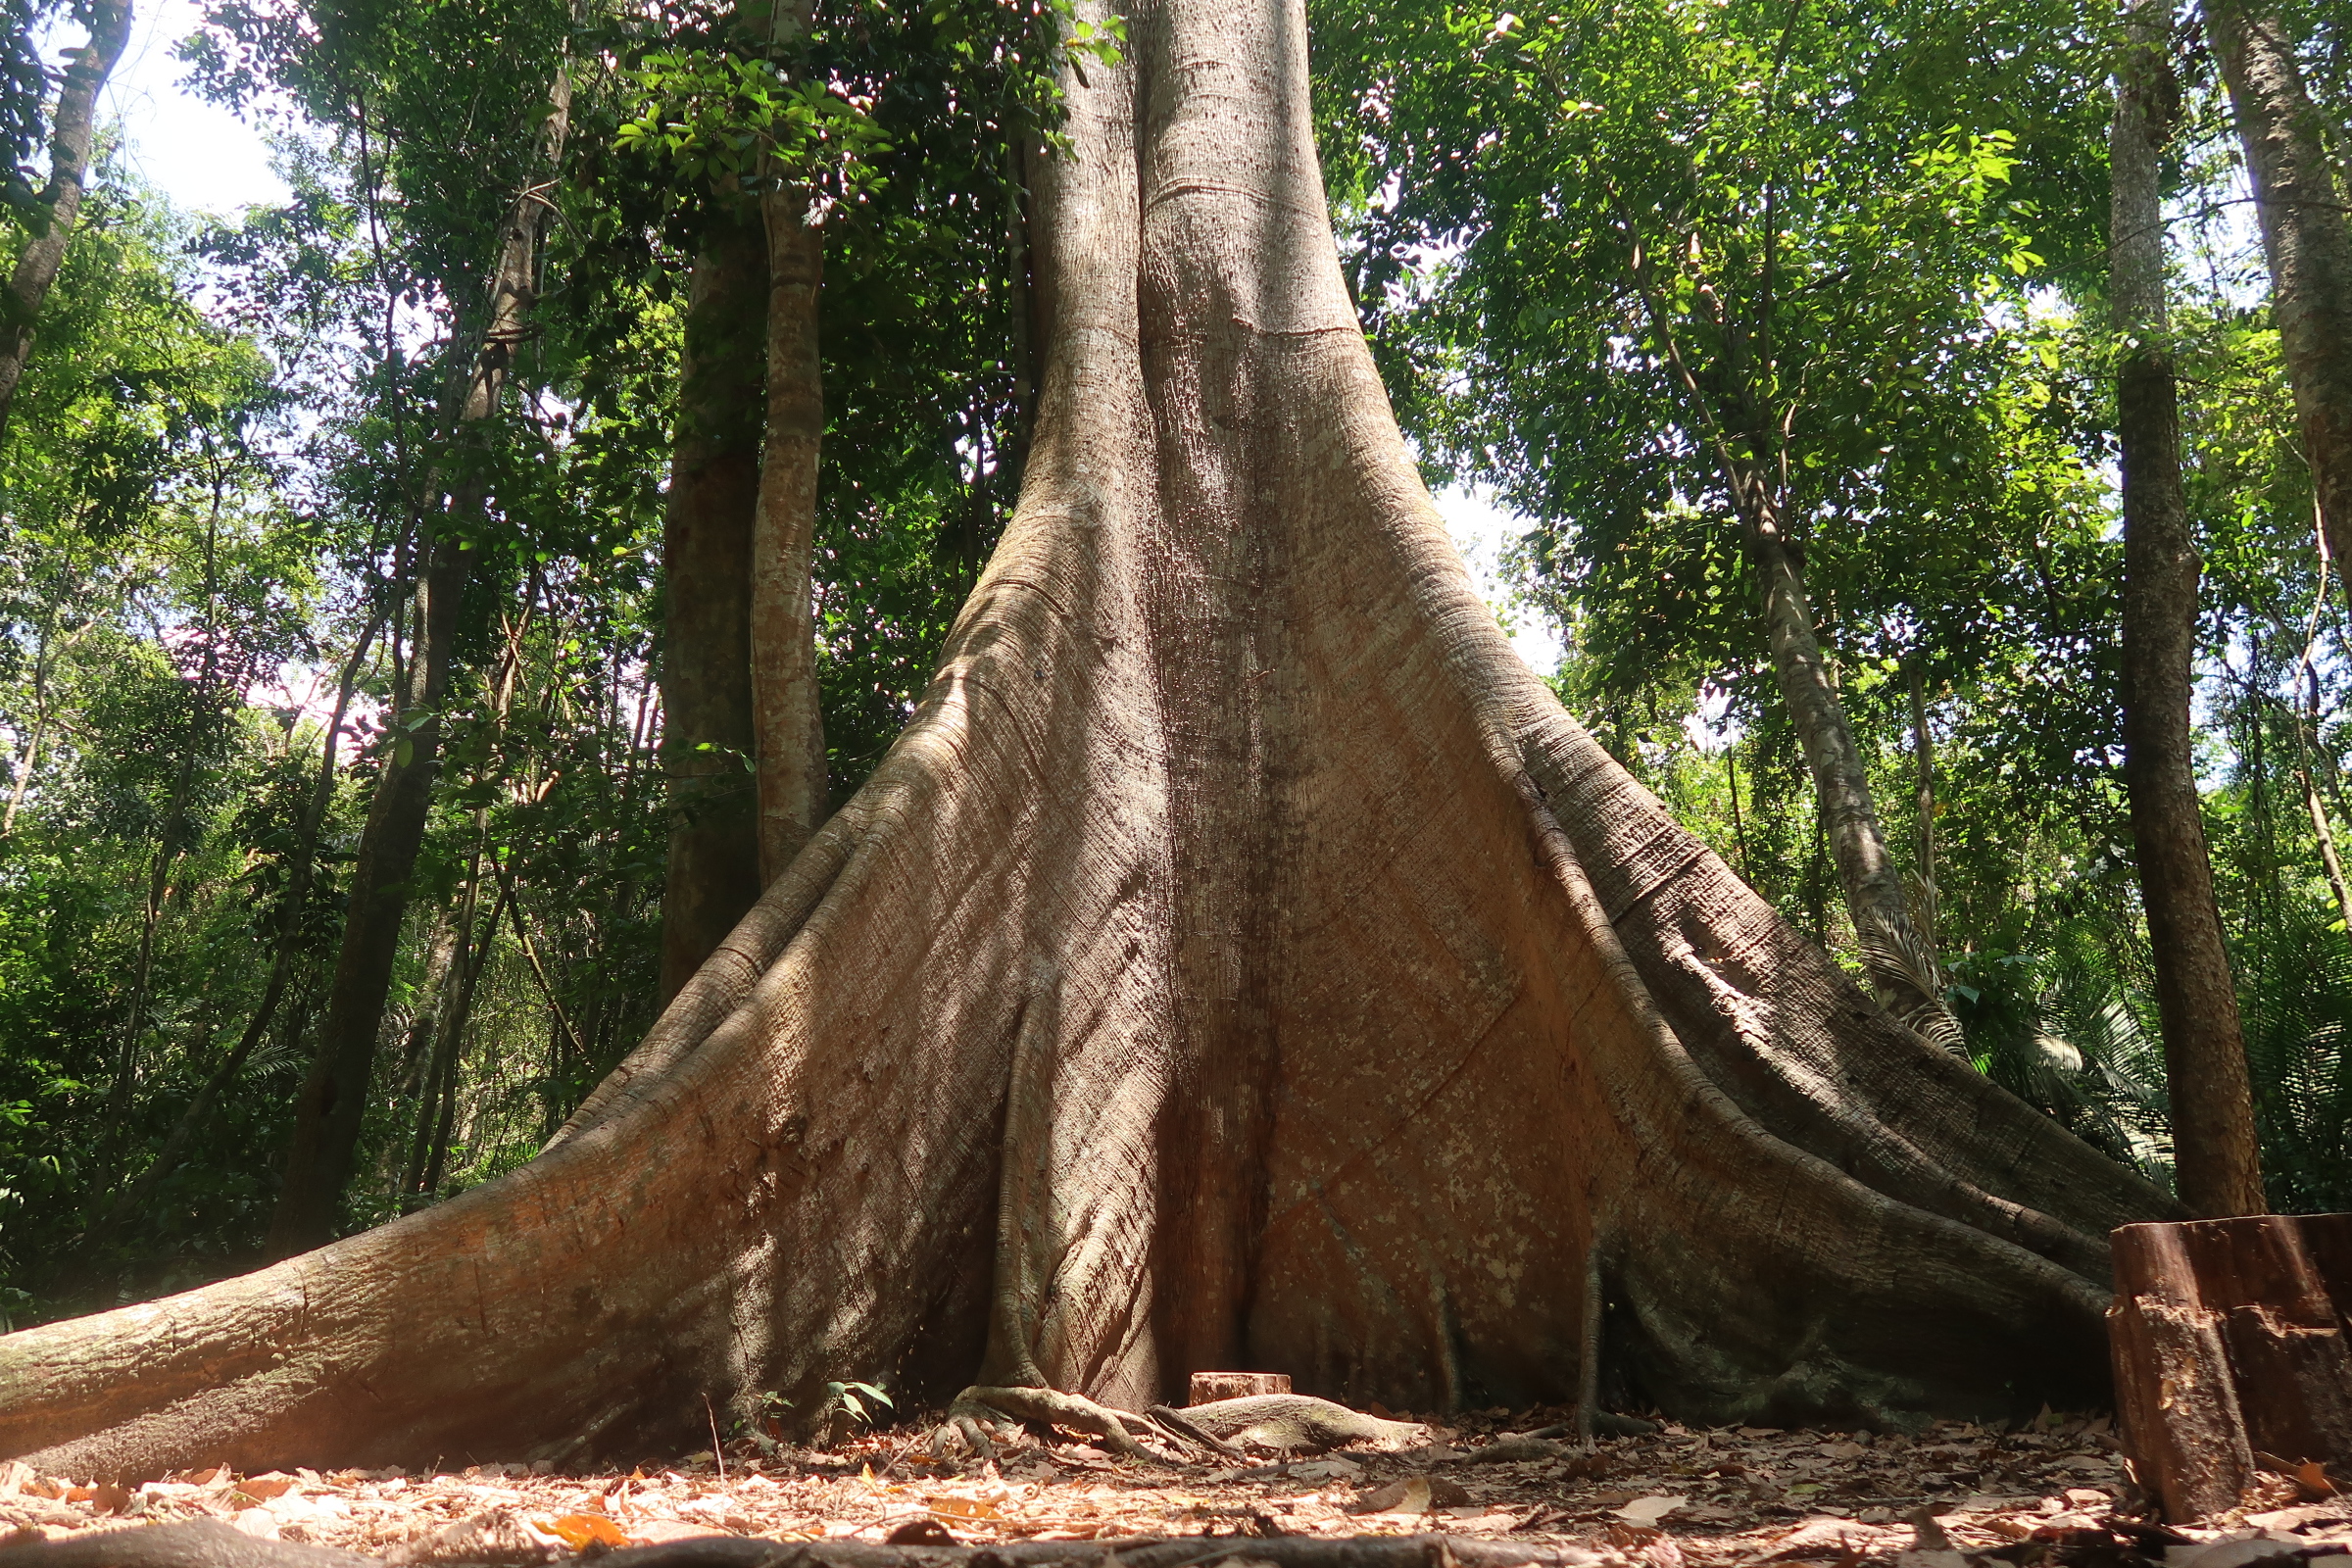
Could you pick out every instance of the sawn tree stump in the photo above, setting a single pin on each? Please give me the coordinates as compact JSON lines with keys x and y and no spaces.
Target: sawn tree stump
{"x":2231,"y":1355}
{"x":1210,"y":1387}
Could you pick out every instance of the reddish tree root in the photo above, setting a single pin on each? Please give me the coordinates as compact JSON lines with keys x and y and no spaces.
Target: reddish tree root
{"x":209,"y":1544}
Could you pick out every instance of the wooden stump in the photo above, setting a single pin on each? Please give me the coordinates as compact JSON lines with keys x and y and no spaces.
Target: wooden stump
{"x":1209,"y":1386}
{"x":2231,"y":1355}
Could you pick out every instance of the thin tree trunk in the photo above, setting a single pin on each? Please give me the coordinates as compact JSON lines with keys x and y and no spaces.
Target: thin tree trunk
{"x":2196,"y":1002}
{"x":168,"y":842}
{"x":1923,"y":751}
{"x":443,"y":1106}
{"x":282,"y":966}
{"x":530,"y":954}
{"x":333,"y":1100}
{"x":2307,"y":729}
{"x":416,"y":1049}
{"x":45,"y":656}
{"x":1731,"y":772}
{"x":708,"y":739}
{"x":431,"y":1138}
{"x":69,"y":167}
{"x":2305,"y":238}
{"x":789,"y":725}
{"x":1901,"y":963}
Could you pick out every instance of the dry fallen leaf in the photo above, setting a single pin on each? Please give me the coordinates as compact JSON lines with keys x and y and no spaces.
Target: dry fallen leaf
{"x":1649,"y":1511}
{"x":579,"y":1528}
{"x":257,"y":1523}
{"x":955,"y":1508}
{"x":1414,"y":1495}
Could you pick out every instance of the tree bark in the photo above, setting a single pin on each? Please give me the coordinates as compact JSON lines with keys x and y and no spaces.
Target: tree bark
{"x":784,"y":691}
{"x":69,"y":167}
{"x":333,"y":1101}
{"x":708,"y":739}
{"x":1923,"y":753}
{"x":2229,"y":1353}
{"x":2215,"y":1155}
{"x":2306,"y":238}
{"x":1240,"y":960}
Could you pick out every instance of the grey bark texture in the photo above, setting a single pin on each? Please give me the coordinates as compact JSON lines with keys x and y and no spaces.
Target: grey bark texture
{"x":2307,"y":238}
{"x":786,"y":714}
{"x":71,"y":129}
{"x":1240,"y":960}
{"x":2216,"y":1155}
{"x":707,"y":740}
{"x":334,"y":1099}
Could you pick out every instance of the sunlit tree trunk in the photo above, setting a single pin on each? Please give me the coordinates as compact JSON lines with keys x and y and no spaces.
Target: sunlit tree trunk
{"x":784,"y":693}
{"x":2205,"y":1061}
{"x":70,"y":138}
{"x":2306,"y":236}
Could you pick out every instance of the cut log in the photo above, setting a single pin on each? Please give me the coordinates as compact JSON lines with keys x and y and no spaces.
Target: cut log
{"x":2230,"y":1352}
{"x":1210,"y":1387}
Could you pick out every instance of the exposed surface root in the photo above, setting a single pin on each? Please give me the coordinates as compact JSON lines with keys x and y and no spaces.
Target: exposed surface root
{"x":1289,"y":1421}
{"x":1171,"y":1419}
{"x":210,"y":1545}
{"x":978,"y":1411}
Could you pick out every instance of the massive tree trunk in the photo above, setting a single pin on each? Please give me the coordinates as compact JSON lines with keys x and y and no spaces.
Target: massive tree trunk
{"x":333,"y":1101}
{"x":1240,"y":961}
{"x":2215,"y":1153}
{"x":787,"y":718}
{"x":70,"y":137}
{"x":707,"y":735}
{"x":2306,"y":238}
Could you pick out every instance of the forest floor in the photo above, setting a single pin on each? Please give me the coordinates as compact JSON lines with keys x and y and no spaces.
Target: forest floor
{"x":1957,"y":1497}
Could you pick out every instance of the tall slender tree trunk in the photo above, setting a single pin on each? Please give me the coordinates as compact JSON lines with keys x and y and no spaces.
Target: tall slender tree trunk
{"x":1923,"y":753}
{"x":46,"y":647}
{"x":1901,"y":963}
{"x":170,"y":840}
{"x":708,"y":737}
{"x":2307,"y":238}
{"x":128,"y":1199}
{"x":69,"y":170}
{"x":2196,"y":1002}
{"x":333,"y":1100}
{"x":1899,"y":959}
{"x":783,"y":622}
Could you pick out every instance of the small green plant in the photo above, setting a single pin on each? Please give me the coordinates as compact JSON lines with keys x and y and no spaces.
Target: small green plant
{"x":852,"y":1398}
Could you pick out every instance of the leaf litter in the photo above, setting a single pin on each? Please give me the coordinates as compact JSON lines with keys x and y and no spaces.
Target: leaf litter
{"x":2053,"y":1494}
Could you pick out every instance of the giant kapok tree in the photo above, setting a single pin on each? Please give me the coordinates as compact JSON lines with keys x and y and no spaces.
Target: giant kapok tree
{"x":1240,"y":961}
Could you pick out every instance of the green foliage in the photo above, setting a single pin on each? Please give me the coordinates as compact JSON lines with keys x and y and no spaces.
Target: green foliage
{"x":1603,"y":252}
